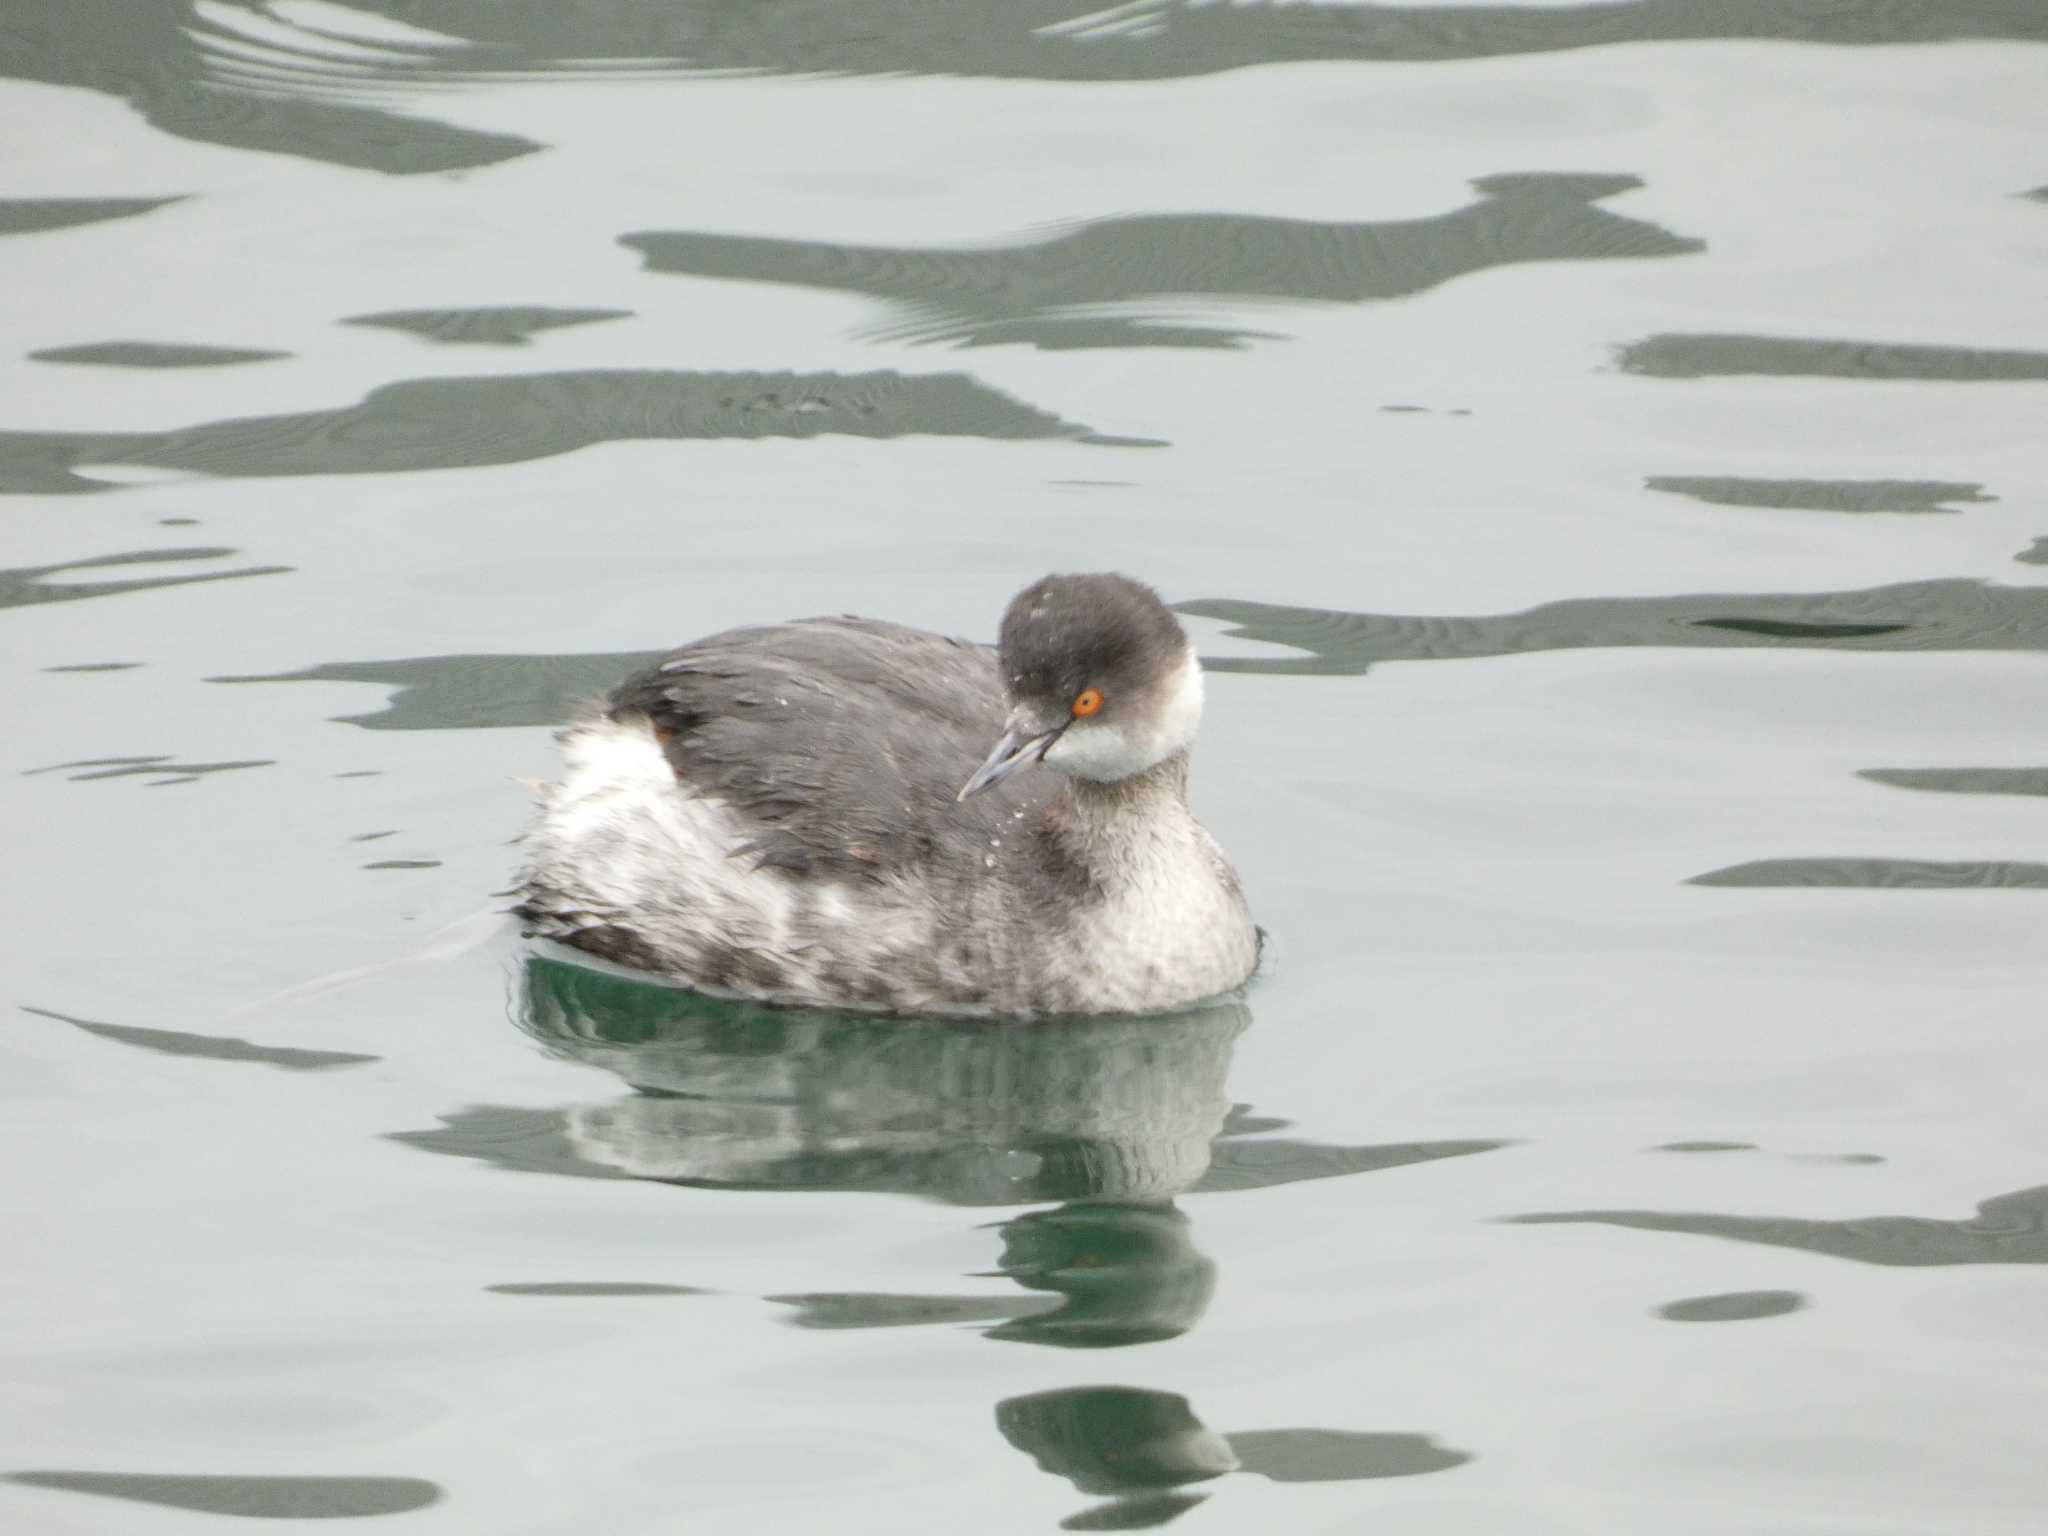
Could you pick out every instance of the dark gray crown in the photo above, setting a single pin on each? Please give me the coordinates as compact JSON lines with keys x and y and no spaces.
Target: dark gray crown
{"x":1062,"y":634}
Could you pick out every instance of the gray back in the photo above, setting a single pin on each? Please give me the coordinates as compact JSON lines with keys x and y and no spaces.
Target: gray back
{"x":847,"y":739}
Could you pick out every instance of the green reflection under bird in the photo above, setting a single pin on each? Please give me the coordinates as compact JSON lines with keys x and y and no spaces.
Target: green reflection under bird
{"x":1112,"y":1118}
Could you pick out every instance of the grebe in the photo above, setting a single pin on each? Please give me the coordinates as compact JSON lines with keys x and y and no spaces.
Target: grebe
{"x":811,"y":813}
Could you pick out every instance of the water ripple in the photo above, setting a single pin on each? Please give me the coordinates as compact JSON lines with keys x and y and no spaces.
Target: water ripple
{"x":160,"y":57}
{"x":447,"y":423}
{"x":1338,"y":1455}
{"x":1963,"y":781}
{"x":175,"y":1042}
{"x":154,"y":354}
{"x":1938,"y":615}
{"x":234,"y":74}
{"x":438,"y":693}
{"x":1731,"y":1307}
{"x":591,"y":1288}
{"x":504,"y":326}
{"x":2007,"y":1229}
{"x":1676,"y":356}
{"x":475,"y":691}
{"x":1881,"y":874}
{"x":30,"y":215}
{"x":1140,"y":1448}
{"x":158,"y":769}
{"x":24,"y":586}
{"x":1077,"y":287}
{"x":1822,"y":495}
{"x":264,"y":1498}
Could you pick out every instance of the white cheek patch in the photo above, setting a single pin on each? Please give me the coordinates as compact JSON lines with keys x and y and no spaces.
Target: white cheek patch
{"x":1182,"y":716}
{"x":1108,"y":750}
{"x":1102,"y":752}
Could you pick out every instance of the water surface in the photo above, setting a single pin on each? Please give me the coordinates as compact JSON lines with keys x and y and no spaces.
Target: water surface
{"x":1596,"y":448}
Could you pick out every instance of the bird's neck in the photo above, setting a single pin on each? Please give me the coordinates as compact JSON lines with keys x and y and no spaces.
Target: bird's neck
{"x":1113,"y":829}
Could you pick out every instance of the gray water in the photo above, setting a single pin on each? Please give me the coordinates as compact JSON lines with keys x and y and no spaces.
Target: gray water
{"x":1598,"y":449}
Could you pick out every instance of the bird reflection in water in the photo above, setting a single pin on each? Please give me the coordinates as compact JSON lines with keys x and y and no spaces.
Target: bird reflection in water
{"x":1101,"y":1122}
{"x":1111,"y":1117}
{"x":1139,"y":1449}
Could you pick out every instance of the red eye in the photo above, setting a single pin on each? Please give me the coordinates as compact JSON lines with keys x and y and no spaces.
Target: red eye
{"x":1086,"y":702}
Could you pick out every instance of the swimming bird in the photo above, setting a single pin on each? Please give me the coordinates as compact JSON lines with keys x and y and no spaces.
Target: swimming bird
{"x":849,"y":813}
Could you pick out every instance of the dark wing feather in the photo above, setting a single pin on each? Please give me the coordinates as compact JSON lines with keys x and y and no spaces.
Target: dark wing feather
{"x":845,"y":740}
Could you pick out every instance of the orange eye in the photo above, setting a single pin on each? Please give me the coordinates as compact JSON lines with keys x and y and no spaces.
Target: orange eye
{"x":1086,"y":702}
